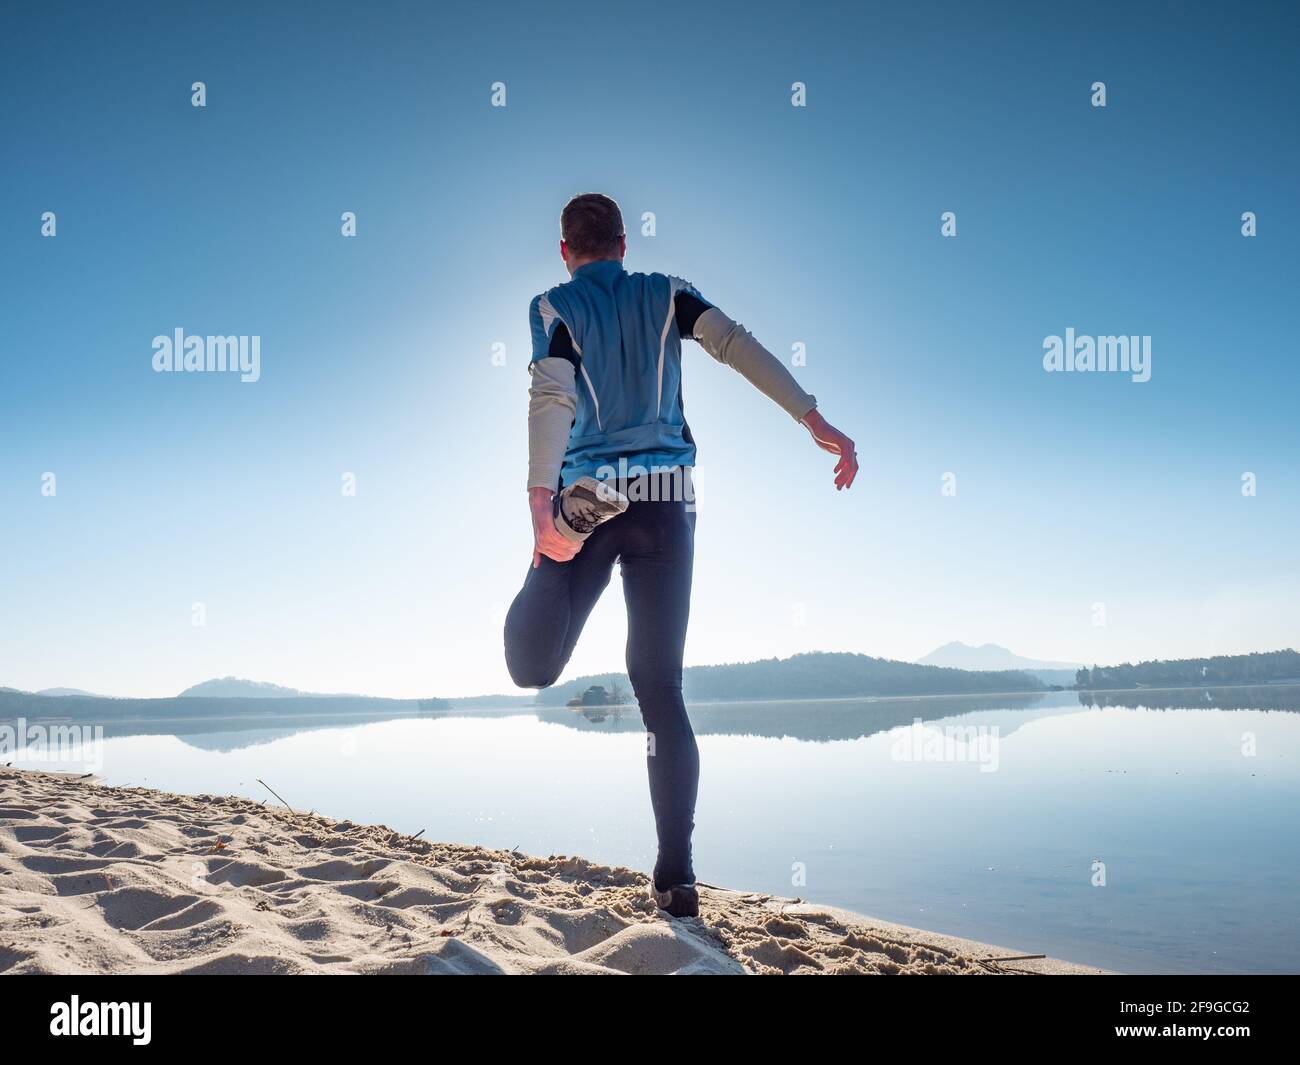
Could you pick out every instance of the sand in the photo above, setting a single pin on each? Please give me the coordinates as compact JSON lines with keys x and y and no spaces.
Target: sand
{"x":97,"y":879}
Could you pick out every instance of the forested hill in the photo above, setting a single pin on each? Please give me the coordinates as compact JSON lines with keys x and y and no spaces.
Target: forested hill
{"x":1262,"y":667}
{"x":819,"y":675}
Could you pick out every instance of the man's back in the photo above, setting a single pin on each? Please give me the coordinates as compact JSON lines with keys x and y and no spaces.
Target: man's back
{"x":620,"y":330}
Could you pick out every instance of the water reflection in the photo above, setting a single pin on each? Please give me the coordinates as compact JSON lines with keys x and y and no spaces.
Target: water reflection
{"x":1254,"y":697}
{"x":811,"y":721}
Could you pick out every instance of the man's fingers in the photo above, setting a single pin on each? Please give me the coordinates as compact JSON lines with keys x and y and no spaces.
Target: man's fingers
{"x":851,"y":471}
{"x":845,"y":470}
{"x":566,"y":547}
{"x":548,"y":547}
{"x":556,"y":547}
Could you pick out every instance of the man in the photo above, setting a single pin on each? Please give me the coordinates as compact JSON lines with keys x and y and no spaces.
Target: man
{"x":609,"y":460}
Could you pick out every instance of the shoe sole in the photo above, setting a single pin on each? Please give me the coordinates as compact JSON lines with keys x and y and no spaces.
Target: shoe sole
{"x":606,"y":501}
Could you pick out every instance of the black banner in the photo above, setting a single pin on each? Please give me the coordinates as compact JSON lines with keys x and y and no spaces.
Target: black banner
{"x":148,"y":1014}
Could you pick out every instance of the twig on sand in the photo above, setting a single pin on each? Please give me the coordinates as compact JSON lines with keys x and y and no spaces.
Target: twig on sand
{"x":418,"y":834}
{"x":991,"y":964}
{"x":275,"y":793}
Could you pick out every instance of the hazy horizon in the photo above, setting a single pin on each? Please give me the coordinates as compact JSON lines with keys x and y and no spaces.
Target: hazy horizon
{"x":306,"y":689}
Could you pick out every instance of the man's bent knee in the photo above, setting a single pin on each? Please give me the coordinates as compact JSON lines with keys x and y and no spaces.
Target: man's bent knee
{"x":532,"y":674}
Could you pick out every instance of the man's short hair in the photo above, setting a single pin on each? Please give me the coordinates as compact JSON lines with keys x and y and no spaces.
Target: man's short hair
{"x":592,"y":225}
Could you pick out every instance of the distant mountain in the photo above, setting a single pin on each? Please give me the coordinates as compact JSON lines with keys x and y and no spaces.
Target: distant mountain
{"x":958,"y":655}
{"x":818,"y":675}
{"x":68,"y":691}
{"x":238,"y":688}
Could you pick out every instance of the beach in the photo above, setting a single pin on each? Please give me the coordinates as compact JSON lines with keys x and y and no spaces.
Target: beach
{"x":100,"y":879}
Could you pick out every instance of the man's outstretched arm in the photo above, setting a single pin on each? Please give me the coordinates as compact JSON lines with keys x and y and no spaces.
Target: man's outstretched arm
{"x":731,"y":344}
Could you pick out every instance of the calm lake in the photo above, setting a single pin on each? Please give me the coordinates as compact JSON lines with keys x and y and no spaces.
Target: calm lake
{"x":1156,"y":833}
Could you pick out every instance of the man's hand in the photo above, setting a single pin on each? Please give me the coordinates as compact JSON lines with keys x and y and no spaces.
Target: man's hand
{"x":828,"y":438}
{"x":546,"y":537}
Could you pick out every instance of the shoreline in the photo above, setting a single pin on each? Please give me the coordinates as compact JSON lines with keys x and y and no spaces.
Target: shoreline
{"x":102,"y":879}
{"x":401,"y":710}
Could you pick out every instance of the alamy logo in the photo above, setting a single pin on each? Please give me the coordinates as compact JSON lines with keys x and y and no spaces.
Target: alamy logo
{"x":1080,"y":354}
{"x":71,"y":746}
{"x":196,"y":354}
{"x":102,"y":1018}
{"x":667,"y":484}
{"x":951,"y":743}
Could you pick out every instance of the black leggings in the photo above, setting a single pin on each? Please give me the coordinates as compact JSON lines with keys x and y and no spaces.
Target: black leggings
{"x":654,"y":543}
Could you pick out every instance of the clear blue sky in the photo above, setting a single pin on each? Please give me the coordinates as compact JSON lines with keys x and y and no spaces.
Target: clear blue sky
{"x":818,"y":225}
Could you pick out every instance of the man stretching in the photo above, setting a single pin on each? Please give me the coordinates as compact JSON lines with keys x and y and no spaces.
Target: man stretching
{"x":609,"y":461}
